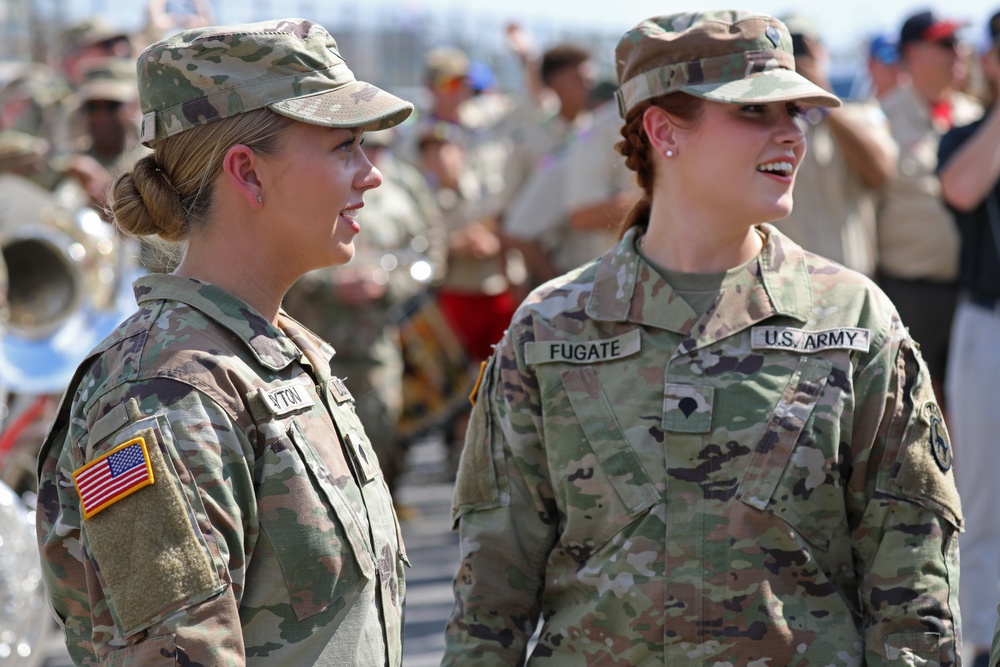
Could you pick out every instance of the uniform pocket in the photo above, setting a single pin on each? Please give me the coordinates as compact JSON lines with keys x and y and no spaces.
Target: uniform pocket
{"x":607,"y":487}
{"x":155,"y":652}
{"x":789,"y":474}
{"x":314,"y":531}
{"x":913,"y":649}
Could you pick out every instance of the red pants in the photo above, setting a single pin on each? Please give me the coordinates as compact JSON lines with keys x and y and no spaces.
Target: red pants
{"x":478,"y":320}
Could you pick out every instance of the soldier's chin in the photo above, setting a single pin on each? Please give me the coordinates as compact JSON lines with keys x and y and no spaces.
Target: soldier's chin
{"x":784,"y":209}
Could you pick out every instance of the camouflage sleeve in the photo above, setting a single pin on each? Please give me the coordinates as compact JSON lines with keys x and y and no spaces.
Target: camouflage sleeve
{"x":905,"y":512}
{"x":506,"y":516}
{"x":156,"y":576}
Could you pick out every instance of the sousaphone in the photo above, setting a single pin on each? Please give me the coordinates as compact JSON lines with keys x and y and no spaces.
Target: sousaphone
{"x":69,"y":286}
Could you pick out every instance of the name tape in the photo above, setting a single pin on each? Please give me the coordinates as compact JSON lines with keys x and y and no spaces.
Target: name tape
{"x":800,"y":340}
{"x":584,"y":352}
{"x":285,"y":399}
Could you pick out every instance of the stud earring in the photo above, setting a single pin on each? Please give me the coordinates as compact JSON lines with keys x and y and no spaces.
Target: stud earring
{"x":669,"y":153}
{"x":260,"y":199}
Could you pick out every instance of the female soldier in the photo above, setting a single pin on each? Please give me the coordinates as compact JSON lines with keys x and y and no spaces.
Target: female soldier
{"x":207,"y":494}
{"x":708,"y":446}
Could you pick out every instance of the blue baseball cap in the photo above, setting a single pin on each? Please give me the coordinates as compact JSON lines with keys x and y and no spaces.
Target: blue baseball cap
{"x":884,"y":49}
{"x":480,"y":76}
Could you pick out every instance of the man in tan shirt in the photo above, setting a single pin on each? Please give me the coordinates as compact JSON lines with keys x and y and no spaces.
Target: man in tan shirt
{"x":917,"y":237}
{"x":851,"y":155}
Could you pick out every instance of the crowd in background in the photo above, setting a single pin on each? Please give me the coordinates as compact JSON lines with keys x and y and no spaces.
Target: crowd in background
{"x":489,"y":193}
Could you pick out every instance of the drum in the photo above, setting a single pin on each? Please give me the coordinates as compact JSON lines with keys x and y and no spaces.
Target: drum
{"x":437,"y":378}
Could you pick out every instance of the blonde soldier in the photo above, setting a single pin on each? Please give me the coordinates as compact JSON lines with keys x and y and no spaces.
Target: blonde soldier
{"x":709,"y":446}
{"x":207,"y":495}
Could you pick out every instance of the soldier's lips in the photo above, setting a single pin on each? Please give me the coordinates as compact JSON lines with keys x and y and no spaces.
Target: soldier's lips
{"x":348,"y":214}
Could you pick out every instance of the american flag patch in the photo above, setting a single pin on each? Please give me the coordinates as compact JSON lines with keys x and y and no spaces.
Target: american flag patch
{"x":119,"y":473}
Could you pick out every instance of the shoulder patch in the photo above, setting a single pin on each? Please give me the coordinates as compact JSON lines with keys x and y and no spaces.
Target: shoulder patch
{"x":921,"y":468}
{"x":148,"y":548}
{"x":583,"y":352}
{"x":800,"y":340}
{"x":286,"y":398}
{"x":940,"y":444}
{"x":113,"y":476}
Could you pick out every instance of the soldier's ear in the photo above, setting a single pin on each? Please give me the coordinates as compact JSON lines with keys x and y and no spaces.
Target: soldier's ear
{"x":660,"y":130}
{"x":241,"y":167}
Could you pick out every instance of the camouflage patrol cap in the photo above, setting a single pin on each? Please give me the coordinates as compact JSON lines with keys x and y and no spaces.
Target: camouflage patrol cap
{"x":730,"y":56}
{"x":92,"y":30}
{"x":445,"y":61}
{"x":109,"y":79}
{"x":290,"y":66}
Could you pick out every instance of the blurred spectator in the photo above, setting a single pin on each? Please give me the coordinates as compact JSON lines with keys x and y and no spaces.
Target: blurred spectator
{"x":475,"y":292}
{"x":540,"y":142}
{"x":571,"y":203}
{"x":917,"y":237}
{"x":473,"y":120}
{"x":93,"y":38}
{"x":35,"y":101}
{"x":851,"y":156}
{"x":970,"y":182}
{"x":568,"y":72}
{"x":475,"y":297}
{"x":108,"y":110}
{"x":884,"y":70}
{"x":25,"y":155}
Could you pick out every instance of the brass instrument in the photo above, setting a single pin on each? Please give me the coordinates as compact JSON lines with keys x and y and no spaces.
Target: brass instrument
{"x":68,"y":286}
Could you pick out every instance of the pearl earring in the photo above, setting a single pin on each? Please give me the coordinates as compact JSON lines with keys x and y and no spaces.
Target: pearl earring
{"x":669,"y":153}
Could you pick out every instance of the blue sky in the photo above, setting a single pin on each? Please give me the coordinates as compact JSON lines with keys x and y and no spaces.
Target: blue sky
{"x":846,"y":23}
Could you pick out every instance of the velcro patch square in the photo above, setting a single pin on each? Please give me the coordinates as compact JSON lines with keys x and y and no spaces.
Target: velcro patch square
{"x":113,"y":476}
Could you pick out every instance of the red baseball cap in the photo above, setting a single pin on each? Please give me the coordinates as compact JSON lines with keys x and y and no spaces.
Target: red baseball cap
{"x":927,"y":26}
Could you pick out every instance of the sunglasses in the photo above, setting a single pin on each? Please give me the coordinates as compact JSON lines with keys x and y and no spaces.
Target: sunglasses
{"x":947,"y":43}
{"x":92,"y":106}
{"x":451,"y":84}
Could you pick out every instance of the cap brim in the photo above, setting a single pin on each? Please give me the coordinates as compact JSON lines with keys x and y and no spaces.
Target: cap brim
{"x":357,"y":104}
{"x":774,"y":85}
{"x":941,"y":30}
{"x":109,"y":91}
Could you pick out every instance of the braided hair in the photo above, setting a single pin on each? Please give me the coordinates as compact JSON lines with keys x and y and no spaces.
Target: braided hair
{"x":635,"y":148}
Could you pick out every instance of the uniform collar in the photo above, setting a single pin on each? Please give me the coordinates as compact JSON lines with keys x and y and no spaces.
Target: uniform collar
{"x":628,"y":289}
{"x":272,"y":348}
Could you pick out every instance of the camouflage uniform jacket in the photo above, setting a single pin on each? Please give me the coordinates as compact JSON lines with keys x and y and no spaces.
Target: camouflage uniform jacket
{"x":267,"y":536}
{"x":767,"y":484}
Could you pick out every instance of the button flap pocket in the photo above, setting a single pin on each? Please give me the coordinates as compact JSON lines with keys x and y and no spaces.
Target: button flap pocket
{"x":315,"y":533}
{"x":775,"y":453}
{"x":613,"y":451}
